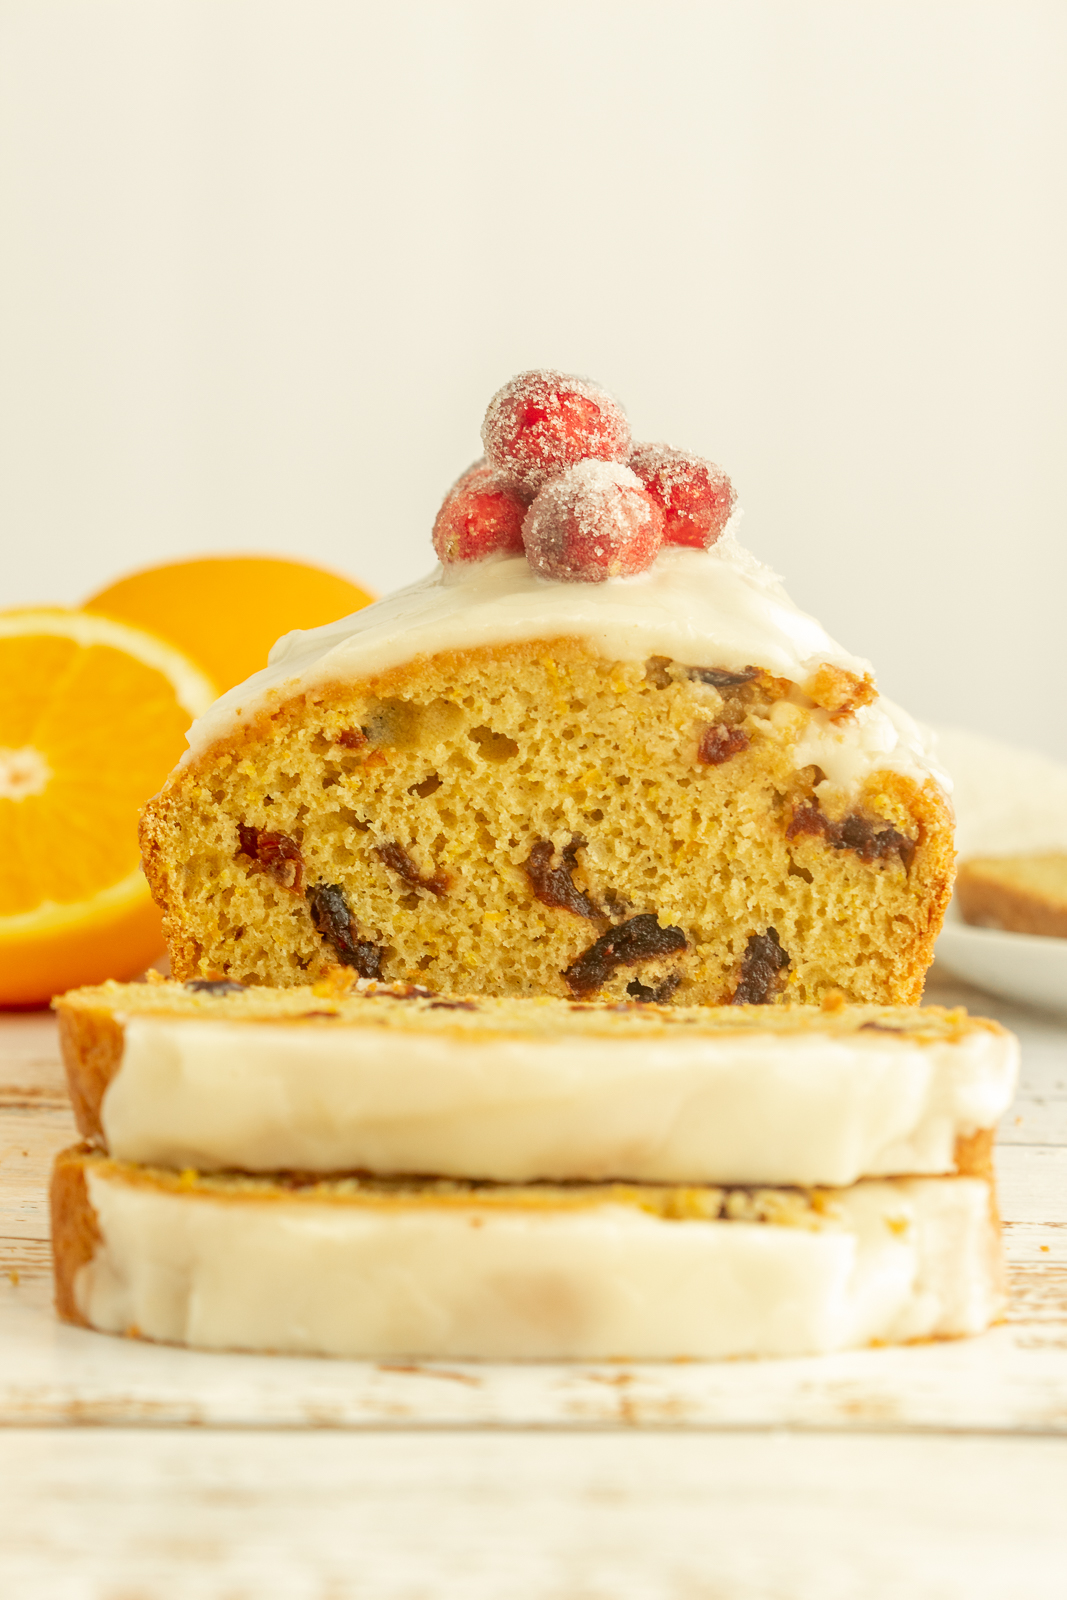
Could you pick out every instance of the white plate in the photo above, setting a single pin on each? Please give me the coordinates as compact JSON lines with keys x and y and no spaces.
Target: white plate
{"x":1008,"y":801}
{"x":1019,"y":966}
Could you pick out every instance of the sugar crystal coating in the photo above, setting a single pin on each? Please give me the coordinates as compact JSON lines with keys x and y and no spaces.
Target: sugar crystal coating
{"x":543,"y":422}
{"x":695,"y":495}
{"x":479,"y":518}
{"x":594,"y":522}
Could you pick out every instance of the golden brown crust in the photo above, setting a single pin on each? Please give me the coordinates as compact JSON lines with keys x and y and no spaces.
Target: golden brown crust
{"x":840,"y":692}
{"x":467,"y":761}
{"x":1020,"y":894}
{"x":75,"y":1234}
{"x":91,"y":1039}
{"x":422,"y":1010}
{"x":974,"y":1154}
{"x":934,"y":872}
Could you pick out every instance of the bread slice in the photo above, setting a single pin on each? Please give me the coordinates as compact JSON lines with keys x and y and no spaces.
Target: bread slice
{"x":1023,"y":893}
{"x":368,"y":1268}
{"x":538,"y":818}
{"x":392,"y":1080}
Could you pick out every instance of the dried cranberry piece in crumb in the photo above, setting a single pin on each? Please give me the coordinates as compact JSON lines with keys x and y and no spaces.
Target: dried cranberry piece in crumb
{"x":853,"y":832}
{"x":275,"y":851}
{"x":398,"y":860}
{"x":541,"y":423}
{"x":555,"y":886}
{"x":763,"y":968}
{"x":334,"y":921}
{"x":479,"y":517}
{"x":639,"y":939}
{"x":594,"y":522}
{"x":718,"y":743}
{"x":695,"y":495}
{"x":720,"y":678}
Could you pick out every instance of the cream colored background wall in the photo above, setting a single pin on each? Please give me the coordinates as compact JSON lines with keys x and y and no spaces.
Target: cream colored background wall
{"x":263,"y":264}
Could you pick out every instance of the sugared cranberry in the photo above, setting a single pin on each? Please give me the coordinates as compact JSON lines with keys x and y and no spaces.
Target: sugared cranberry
{"x":695,"y":495}
{"x":594,"y":522}
{"x":479,"y":518}
{"x":541,"y":423}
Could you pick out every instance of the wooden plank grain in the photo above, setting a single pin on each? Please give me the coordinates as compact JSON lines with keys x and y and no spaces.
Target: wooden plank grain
{"x":30,"y":1136}
{"x":1032,"y":1183}
{"x":30,"y":1062}
{"x":219,"y":1516}
{"x":1035,"y":1119}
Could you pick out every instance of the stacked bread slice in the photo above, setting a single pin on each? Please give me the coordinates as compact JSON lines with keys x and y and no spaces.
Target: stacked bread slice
{"x":372,"y":1170}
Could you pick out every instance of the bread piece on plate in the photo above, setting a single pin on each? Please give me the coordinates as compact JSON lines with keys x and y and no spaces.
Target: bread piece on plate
{"x":1021,"y":893}
{"x":641,"y":774}
{"x":368,"y":1268}
{"x":393,"y":1080}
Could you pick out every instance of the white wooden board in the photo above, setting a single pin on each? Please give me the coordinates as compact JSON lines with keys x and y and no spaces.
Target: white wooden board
{"x":108,"y":1514}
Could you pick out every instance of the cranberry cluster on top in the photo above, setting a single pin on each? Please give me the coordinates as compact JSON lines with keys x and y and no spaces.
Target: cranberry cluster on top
{"x":562,"y":482}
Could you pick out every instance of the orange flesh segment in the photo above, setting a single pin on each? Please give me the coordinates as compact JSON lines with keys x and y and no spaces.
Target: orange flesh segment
{"x":109,"y":729}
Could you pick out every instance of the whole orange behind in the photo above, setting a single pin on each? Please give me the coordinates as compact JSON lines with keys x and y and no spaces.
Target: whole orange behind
{"x":227,"y":611}
{"x":93,"y":715}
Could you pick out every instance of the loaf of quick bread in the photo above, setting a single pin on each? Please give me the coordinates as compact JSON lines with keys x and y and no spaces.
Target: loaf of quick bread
{"x":598,"y":751}
{"x":546,"y":942}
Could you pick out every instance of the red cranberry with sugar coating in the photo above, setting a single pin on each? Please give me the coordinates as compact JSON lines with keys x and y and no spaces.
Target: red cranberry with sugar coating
{"x":479,"y":518}
{"x":594,"y":522}
{"x":541,"y":423}
{"x":696,"y":496}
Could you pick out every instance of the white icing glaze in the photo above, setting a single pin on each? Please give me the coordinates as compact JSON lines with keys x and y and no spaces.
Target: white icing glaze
{"x":876,"y":737}
{"x":676,"y":1107}
{"x":718,"y":607}
{"x":707,"y":608}
{"x":904,"y":1260}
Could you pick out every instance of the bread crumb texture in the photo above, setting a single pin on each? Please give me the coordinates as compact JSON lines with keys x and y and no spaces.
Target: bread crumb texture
{"x":537,"y":820}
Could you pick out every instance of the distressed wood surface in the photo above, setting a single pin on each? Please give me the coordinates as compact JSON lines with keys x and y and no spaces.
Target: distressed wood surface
{"x":109,"y":1514}
{"x":1014,"y":1379}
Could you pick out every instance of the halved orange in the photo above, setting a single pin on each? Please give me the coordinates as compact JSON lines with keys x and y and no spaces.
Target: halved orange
{"x":226,"y":611}
{"x":93,"y":714}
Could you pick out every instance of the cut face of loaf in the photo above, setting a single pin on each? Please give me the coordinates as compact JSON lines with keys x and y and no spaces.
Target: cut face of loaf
{"x":535,"y":819}
{"x":364,"y":1268}
{"x":395,"y":1081}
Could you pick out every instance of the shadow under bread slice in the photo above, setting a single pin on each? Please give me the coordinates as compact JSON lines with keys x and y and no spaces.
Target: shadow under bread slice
{"x":370,"y":1268}
{"x":393,"y":1079}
